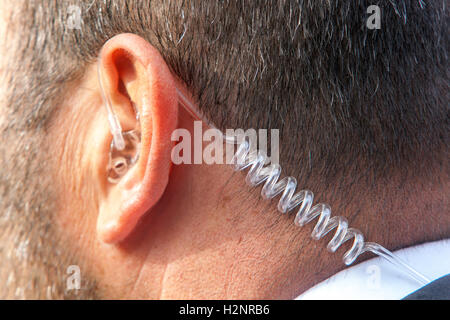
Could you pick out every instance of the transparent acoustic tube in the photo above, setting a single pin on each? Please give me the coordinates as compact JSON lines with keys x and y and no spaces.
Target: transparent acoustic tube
{"x":114,"y":124}
{"x":302,"y":202}
{"x":125,"y":152}
{"x":125,"y":146}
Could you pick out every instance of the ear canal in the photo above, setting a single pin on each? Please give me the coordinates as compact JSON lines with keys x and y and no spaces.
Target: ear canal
{"x":120,"y":161}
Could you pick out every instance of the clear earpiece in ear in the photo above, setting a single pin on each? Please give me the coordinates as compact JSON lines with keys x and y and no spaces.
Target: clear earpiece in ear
{"x":120,"y":161}
{"x":124,"y":150}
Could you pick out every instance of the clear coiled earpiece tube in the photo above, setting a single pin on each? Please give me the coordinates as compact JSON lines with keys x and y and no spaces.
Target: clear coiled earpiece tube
{"x":125,"y":152}
{"x":302,"y":202}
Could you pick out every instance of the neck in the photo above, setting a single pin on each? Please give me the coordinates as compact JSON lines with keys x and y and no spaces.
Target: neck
{"x":257,"y":252}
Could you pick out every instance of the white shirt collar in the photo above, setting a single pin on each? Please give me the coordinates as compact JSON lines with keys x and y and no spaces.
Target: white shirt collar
{"x":378,"y":279}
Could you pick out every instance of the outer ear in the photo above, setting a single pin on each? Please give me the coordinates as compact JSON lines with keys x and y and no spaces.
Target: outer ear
{"x":133,"y":70}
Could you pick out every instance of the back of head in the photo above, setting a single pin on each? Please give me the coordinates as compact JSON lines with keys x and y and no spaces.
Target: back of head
{"x":360,"y":111}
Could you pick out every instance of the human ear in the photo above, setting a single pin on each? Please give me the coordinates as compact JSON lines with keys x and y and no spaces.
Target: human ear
{"x":135,"y":74}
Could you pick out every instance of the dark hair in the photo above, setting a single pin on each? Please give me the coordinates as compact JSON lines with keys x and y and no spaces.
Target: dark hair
{"x":353,"y":105}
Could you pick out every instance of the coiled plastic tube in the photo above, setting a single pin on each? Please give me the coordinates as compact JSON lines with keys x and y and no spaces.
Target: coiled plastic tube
{"x":258,"y":173}
{"x":302,"y":202}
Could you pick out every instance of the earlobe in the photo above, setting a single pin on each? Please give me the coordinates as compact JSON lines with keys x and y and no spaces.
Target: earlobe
{"x":135,"y":72}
